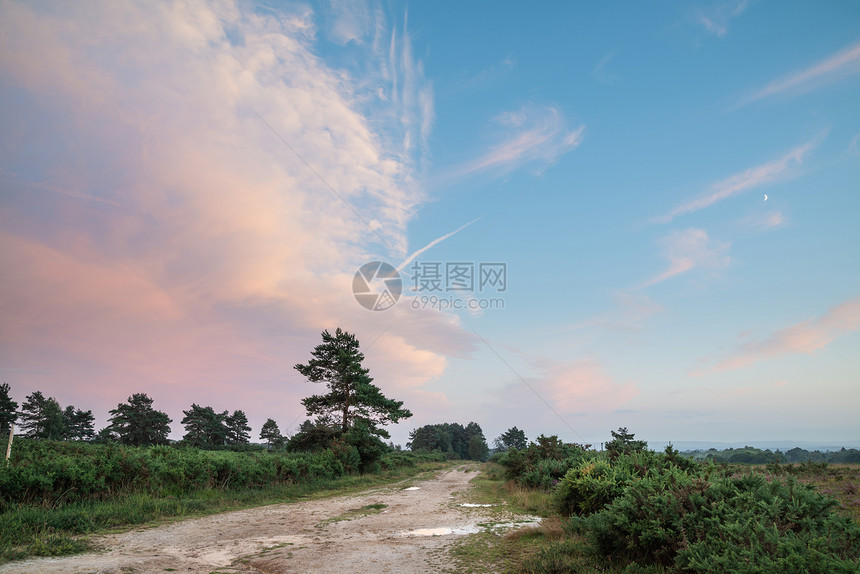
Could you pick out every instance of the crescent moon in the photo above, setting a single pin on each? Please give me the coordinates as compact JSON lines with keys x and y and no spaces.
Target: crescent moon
{"x":765,"y":197}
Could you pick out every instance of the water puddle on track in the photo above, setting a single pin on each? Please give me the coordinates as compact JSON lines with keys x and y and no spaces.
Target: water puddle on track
{"x":526,"y":522}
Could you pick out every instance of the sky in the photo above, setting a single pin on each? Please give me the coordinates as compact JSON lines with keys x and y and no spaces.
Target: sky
{"x":641,"y":215}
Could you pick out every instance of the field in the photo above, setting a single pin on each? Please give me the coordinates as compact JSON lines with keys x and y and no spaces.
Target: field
{"x":54,"y":494}
{"x":822,"y":503}
{"x":621,"y":512}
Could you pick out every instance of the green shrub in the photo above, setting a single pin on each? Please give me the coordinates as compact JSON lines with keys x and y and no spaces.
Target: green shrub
{"x":543,"y":463}
{"x":738,"y":524}
{"x":596,"y":480}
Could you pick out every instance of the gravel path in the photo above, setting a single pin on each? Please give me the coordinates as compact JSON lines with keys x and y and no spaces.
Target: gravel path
{"x":329,"y":535}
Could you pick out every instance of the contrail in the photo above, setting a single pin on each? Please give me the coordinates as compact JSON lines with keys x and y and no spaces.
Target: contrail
{"x":431,"y":244}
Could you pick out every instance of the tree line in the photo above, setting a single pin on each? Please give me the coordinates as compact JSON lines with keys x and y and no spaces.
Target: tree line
{"x":451,"y":439}
{"x":135,"y":422}
{"x":752,"y":455}
{"x":348,"y":418}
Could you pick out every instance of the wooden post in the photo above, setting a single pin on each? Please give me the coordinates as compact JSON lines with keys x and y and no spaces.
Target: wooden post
{"x":9,"y":446}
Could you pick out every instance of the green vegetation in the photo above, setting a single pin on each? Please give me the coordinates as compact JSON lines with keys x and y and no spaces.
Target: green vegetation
{"x":272,"y":434}
{"x":752,"y":455}
{"x":504,"y":551}
{"x":349,"y":418}
{"x":451,"y":439}
{"x":8,"y":410}
{"x":633,"y":510}
{"x":54,"y":492}
{"x":511,"y":438}
{"x":354,"y":513}
{"x":137,"y":423}
{"x":353,"y":400}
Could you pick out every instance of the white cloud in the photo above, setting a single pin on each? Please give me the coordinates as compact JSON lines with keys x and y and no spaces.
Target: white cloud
{"x":528,"y":134}
{"x":744,"y":181}
{"x":840,"y":65}
{"x":805,"y":337}
{"x":184,"y":249}
{"x":766,"y":221}
{"x":691,"y":249}
{"x":600,"y":72}
{"x":716,"y":19}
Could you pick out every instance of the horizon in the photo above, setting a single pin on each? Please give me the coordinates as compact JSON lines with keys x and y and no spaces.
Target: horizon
{"x":590,"y":218}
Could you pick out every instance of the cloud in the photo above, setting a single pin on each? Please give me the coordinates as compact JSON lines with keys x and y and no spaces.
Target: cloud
{"x":350,"y":21}
{"x":745,"y":181}
{"x":629,"y":314}
{"x":838,"y":66}
{"x":472,"y":81}
{"x":690,"y":249}
{"x":573,"y":389}
{"x":766,"y":221}
{"x":716,"y":19}
{"x":582,"y":386}
{"x":528,"y":134}
{"x":184,"y":251}
{"x":432,"y":244}
{"x":805,"y":337}
{"x":853,"y":148}
{"x":599,"y":71}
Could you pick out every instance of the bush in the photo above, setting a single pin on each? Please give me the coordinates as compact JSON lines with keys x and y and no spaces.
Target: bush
{"x":51,"y":473}
{"x":738,"y":524}
{"x":543,"y":463}
{"x":597,"y":479}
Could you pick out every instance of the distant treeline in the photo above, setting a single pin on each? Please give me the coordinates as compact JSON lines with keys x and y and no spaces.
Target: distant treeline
{"x":752,"y":455}
{"x":453,"y":440}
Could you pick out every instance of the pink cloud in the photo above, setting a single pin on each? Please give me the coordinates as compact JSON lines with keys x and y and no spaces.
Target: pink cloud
{"x":805,"y":337}
{"x":186,"y":252}
{"x":583,"y":386}
{"x":529,"y":134}
{"x":569,"y":388}
{"x":716,"y":19}
{"x":839,"y":65}
{"x":744,"y":181}
{"x":690,"y":249}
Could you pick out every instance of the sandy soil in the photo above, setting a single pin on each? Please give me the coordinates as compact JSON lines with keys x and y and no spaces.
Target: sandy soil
{"x":409,"y":535}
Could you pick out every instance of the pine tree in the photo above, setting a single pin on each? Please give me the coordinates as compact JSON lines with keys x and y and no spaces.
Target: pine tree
{"x":204,"y":427}
{"x":8,"y":410}
{"x":512,"y":438}
{"x":624,"y":441}
{"x":78,"y":424}
{"x":238,"y":431}
{"x":137,"y":423}
{"x":352,"y":396}
{"x":42,"y":418}
{"x":271,"y":434}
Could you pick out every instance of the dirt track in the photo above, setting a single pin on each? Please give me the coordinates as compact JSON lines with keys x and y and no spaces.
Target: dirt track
{"x":314,"y":536}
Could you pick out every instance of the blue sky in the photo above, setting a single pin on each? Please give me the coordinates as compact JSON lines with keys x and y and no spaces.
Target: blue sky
{"x":186,"y":193}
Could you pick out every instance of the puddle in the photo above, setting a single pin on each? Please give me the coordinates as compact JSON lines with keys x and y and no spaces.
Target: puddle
{"x":444,"y":531}
{"x":412,"y":488}
{"x":529,"y":521}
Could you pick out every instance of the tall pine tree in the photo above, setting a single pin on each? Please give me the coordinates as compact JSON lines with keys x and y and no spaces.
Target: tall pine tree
{"x":238,"y":431}
{"x":352,"y":399}
{"x":42,"y":418}
{"x":136,"y":423}
{"x":8,"y":410}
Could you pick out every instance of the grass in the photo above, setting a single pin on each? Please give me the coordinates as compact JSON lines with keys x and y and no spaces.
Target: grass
{"x":354,"y":513}
{"x":490,"y":551}
{"x":549,"y":549}
{"x":839,"y":481}
{"x":36,"y":530}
